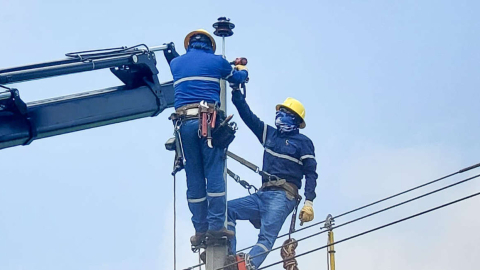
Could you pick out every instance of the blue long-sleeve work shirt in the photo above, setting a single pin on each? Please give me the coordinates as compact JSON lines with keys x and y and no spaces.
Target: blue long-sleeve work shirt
{"x":197,"y":74}
{"x":289,"y":156}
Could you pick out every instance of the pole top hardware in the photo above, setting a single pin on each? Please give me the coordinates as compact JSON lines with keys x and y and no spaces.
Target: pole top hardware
{"x":223,"y":27}
{"x":329,"y":222}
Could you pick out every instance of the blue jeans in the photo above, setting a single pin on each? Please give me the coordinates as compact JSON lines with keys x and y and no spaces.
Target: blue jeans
{"x":204,"y":167}
{"x":267,"y":210}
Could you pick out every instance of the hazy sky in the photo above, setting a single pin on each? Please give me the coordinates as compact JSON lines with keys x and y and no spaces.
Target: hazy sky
{"x":391,"y":90}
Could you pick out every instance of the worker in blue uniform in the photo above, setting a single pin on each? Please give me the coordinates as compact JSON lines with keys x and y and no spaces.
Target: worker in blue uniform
{"x":196,"y":77}
{"x":288,"y":157}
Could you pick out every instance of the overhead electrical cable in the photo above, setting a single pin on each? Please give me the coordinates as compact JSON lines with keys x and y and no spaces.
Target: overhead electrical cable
{"x":373,"y":213}
{"x":379,"y":201}
{"x":392,"y":196}
{"x":376,"y":229}
{"x":368,"y":215}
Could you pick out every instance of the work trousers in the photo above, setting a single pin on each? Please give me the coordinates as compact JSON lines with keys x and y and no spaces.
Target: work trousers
{"x":204,"y":167}
{"x":267,"y":210}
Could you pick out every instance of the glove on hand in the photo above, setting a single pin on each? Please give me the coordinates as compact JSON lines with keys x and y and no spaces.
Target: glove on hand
{"x":241,"y":67}
{"x":306,"y":214}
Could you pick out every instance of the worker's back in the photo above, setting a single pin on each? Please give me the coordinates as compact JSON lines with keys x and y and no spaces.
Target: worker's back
{"x":196,"y":76}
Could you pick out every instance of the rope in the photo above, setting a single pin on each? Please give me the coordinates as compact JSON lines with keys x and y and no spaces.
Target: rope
{"x":174,"y":223}
{"x":378,"y":228}
{"x":288,"y":254}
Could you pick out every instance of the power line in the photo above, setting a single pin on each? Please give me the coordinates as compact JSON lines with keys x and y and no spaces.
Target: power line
{"x":379,"y":201}
{"x":365,"y":216}
{"x":378,"y":228}
{"x":373,"y":213}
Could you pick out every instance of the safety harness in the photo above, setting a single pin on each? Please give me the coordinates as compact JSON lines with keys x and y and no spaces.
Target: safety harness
{"x":274,"y":182}
{"x":206,"y":114}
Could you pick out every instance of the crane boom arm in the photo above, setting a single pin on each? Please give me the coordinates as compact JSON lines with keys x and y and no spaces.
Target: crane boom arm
{"x":142,"y":95}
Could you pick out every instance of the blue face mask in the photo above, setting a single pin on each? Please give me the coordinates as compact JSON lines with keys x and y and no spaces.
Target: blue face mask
{"x":285,"y":121}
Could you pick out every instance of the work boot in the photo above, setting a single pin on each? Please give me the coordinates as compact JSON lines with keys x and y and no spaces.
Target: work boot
{"x":197,"y":239}
{"x":221,"y":233}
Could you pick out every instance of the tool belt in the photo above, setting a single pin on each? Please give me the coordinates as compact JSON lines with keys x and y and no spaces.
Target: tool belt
{"x":190,"y":111}
{"x":208,"y":115}
{"x":282,"y":184}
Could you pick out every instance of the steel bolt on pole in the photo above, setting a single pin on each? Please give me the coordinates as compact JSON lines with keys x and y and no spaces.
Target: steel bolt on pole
{"x":217,"y":253}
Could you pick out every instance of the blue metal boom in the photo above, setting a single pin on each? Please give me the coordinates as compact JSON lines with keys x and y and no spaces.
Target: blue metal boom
{"x":142,"y":95}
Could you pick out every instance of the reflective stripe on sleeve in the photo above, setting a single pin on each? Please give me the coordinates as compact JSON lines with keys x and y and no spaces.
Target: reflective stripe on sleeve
{"x":283,"y":156}
{"x":196,"y":78}
{"x":264,"y":137}
{"x":230,"y":75}
{"x":307,"y":156}
{"x":231,"y":224}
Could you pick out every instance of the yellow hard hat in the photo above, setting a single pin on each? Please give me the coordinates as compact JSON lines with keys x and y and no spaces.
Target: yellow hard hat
{"x":186,"y":42}
{"x":296,"y":107}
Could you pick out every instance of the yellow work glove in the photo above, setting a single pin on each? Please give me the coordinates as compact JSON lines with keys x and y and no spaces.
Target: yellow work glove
{"x":306,"y":214}
{"x":241,"y":67}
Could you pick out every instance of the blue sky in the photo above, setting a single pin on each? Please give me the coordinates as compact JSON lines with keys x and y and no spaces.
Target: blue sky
{"x":391,"y":92}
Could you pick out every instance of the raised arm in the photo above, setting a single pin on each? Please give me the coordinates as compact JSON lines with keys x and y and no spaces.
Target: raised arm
{"x":231,"y":75}
{"x":309,"y":170}
{"x":258,"y":127}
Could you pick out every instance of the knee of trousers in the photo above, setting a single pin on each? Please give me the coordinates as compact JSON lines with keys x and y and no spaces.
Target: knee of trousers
{"x":215,"y":184}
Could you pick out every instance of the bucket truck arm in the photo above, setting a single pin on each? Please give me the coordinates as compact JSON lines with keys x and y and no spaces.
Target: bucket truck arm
{"x":142,"y":95}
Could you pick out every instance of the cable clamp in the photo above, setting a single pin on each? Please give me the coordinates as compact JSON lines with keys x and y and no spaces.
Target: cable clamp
{"x":329,"y":222}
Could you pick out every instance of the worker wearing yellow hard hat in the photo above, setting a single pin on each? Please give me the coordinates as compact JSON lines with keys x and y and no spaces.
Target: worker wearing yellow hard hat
{"x":197,"y":34}
{"x":288,"y":157}
{"x":296,"y":107}
{"x":196,"y":79}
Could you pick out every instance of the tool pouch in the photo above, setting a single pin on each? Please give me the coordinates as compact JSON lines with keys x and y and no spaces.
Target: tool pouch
{"x":224,"y":134}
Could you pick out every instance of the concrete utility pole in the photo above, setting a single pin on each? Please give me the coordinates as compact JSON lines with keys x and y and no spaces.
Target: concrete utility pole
{"x":217,"y":252}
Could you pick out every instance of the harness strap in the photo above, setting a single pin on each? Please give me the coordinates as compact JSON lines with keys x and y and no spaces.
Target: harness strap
{"x":291,"y":189}
{"x":191,"y":111}
{"x":244,"y":162}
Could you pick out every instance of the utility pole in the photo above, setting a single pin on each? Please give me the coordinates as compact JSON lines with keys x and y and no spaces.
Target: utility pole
{"x":217,"y":252}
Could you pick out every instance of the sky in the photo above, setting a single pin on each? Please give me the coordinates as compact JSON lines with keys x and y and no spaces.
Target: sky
{"x":391,"y":96}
